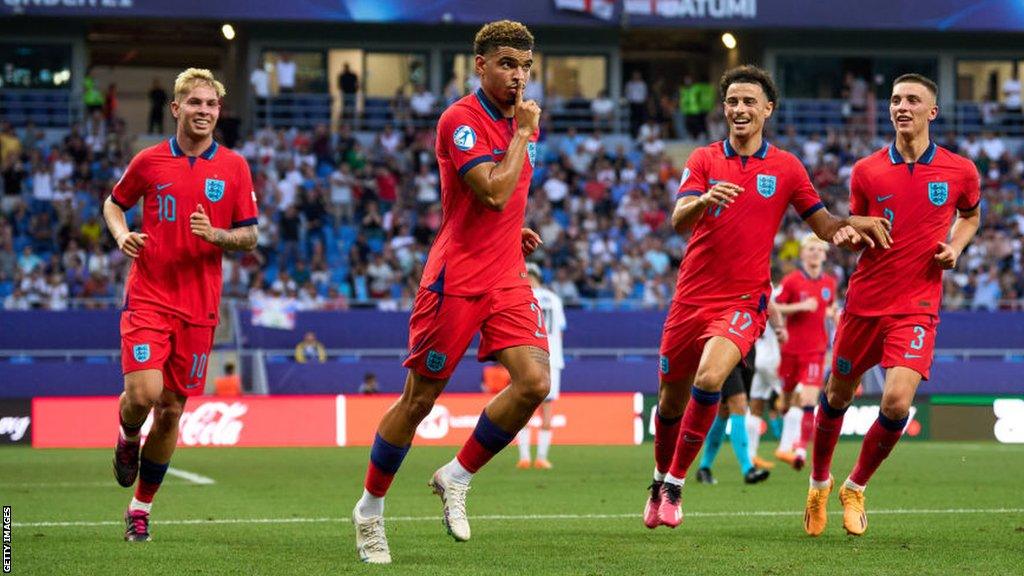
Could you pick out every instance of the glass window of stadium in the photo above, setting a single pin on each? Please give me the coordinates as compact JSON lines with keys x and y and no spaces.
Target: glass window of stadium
{"x":296,"y":71}
{"x":985,"y":80}
{"x":823,"y":77}
{"x":36,"y":67}
{"x":385,"y":73}
{"x":575,"y":76}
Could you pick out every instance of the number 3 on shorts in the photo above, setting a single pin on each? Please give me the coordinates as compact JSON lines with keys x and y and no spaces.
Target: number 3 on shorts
{"x":918,"y":343}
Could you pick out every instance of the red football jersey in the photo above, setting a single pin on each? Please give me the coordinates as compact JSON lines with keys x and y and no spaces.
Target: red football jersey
{"x":178,"y":272}
{"x":807,"y":334}
{"x":920,"y":200}
{"x":477,"y":249}
{"x":729,"y":254}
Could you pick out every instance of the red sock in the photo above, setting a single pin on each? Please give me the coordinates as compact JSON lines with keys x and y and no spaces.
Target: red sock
{"x":828,"y":423}
{"x":377,"y":481}
{"x":487,"y":440}
{"x":878,"y":443}
{"x":806,"y":427}
{"x":144,"y":491}
{"x":666,"y":434}
{"x":385,"y":458}
{"x":698,"y":417}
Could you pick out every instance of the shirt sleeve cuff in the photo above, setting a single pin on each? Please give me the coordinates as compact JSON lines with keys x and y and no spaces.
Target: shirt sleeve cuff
{"x":807,"y":213}
{"x":122,"y":205}
{"x":688,"y":193}
{"x":473,"y":163}
{"x":972,"y":208}
{"x":244,"y":223}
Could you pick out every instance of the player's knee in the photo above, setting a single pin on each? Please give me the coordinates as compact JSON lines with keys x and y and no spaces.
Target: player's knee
{"x":535,"y":385}
{"x":167,"y":414}
{"x":710,"y":379}
{"x":417,"y":406}
{"x":895,"y":408}
{"x":140,"y":398}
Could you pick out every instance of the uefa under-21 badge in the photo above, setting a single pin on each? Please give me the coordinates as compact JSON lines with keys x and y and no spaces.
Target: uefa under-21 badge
{"x":766,"y":185}
{"x":214,"y":189}
{"x":938,"y":192}
{"x":140,"y":352}
{"x":684,"y":177}
{"x":826,"y":293}
{"x":531,"y":153}
{"x":464,"y":138}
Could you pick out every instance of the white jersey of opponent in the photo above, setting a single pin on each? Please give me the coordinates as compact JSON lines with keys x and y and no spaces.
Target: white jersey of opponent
{"x":554,"y":322}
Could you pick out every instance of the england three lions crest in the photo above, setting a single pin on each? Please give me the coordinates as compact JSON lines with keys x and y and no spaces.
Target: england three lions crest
{"x":938,"y":192}
{"x":214,"y":189}
{"x":766,"y":185}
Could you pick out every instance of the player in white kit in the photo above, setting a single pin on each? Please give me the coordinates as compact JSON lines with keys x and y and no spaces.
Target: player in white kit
{"x":766,"y":379}
{"x":553,"y":313}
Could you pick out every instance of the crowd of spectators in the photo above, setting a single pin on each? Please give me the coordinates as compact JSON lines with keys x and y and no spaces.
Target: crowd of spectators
{"x":347,"y":219}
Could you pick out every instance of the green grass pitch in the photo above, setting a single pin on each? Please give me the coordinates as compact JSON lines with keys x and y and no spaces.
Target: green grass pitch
{"x":933,"y":508}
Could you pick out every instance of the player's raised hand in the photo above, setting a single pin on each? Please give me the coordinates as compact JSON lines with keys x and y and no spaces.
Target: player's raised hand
{"x":200,"y":224}
{"x":946,"y":256}
{"x":527,"y":112}
{"x":722,"y":194}
{"x":874,"y":230}
{"x":531,"y":241}
{"x":131,"y":243}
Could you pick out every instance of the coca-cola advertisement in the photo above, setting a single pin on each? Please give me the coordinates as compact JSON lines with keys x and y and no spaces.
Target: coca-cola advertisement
{"x":248,"y":421}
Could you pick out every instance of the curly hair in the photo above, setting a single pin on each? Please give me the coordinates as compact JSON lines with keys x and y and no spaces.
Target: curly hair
{"x":502,"y":33}
{"x":193,"y":77}
{"x":918,"y":79}
{"x":749,"y":74}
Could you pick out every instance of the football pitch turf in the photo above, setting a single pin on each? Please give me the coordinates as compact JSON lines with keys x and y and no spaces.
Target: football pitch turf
{"x":933,"y":508}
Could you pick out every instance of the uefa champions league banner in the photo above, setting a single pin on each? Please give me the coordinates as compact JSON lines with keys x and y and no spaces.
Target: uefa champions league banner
{"x":974,"y":15}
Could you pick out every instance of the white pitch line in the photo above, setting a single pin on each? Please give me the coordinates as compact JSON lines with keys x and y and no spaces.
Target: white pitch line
{"x":191,"y":476}
{"x":739,"y":514}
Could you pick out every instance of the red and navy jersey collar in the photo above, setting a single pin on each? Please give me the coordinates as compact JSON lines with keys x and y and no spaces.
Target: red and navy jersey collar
{"x":493,"y":111}
{"x":929,"y":154}
{"x":761,"y":153}
{"x":176,"y":150}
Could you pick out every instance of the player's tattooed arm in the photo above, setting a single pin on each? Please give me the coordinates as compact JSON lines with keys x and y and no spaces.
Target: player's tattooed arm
{"x":238,"y":239}
{"x":851,"y":232}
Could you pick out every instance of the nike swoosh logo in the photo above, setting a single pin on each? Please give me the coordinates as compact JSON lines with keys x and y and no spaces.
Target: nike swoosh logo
{"x":497,"y":151}
{"x":712,"y":181}
{"x":162,"y":186}
{"x":883,"y":198}
{"x":910,"y":356}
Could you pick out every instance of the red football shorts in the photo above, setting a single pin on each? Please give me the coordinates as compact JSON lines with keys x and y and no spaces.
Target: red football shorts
{"x":159,"y":341}
{"x":442,"y":326}
{"x":863,"y":341}
{"x":689,"y":326}
{"x":803,"y":369}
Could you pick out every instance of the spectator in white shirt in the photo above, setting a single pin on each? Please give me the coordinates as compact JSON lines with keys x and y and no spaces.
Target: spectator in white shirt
{"x":422,"y":102}
{"x":286,"y":74}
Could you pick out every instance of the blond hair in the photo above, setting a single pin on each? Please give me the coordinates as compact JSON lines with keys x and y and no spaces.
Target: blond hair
{"x":193,"y":77}
{"x":812,"y":240}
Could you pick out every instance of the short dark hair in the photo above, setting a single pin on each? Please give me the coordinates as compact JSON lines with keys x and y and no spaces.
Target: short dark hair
{"x":918,"y":79}
{"x":502,"y":33}
{"x":749,"y":74}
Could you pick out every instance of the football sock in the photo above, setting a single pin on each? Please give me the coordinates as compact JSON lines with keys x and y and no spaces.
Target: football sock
{"x":775,"y":425}
{"x":486,"y":441}
{"x":738,"y":438}
{"x":670,"y":479}
{"x":659,"y":476}
{"x":828,"y":423}
{"x":700,"y":413}
{"x":131,"y":432}
{"x":385,"y":459}
{"x":753,"y":434}
{"x":151,"y":475}
{"x":666,"y":434}
{"x":523,"y":439}
{"x":790,"y":429}
{"x":806,"y":427}
{"x":370,"y":505}
{"x":543,"y":444}
{"x":456,"y":472}
{"x":713,"y":442}
{"x":878,"y":443}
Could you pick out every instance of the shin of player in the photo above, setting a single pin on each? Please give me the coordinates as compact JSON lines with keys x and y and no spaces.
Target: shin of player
{"x":734,"y":191}
{"x":475,"y":281}
{"x":894,"y":296}
{"x":197,"y":199}
{"x":554,"y":321}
